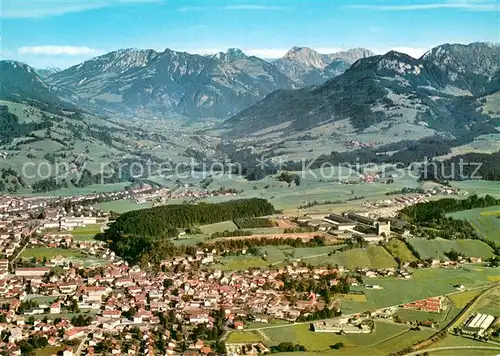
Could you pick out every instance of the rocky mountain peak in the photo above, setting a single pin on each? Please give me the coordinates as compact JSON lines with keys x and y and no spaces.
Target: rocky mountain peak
{"x":479,"y":58}
{"x":351,"y":55}
{"x":306,"y":56}
{"x":231,"y":55}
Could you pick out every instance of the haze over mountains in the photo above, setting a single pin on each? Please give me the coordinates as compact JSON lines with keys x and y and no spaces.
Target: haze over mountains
{"x":301,"y":91}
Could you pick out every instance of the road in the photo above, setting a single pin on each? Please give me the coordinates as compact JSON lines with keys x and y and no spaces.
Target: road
{"x":419,"y":352}
{"x":301,"y":258}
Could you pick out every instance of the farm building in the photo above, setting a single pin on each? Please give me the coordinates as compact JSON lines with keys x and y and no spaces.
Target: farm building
{"x":431,"y":305}
{"x":478,"y":323}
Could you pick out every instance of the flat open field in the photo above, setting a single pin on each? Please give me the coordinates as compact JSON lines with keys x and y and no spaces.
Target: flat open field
{"x":398,"y":248}
{"x":275,"y":255}
{"x":41,"y":252}
{"x":354,"y":344}
{"x":122,"y":206}
{"x":489,"y":303}
{"x":86,"y":232}
{"x":425,"y":283}
{"x":244,"y":336}
{"x":460,"y":300}
{"x":371,"y":257}
{"x":437,"y":247}
{"x":486,"y":221}
{"x":300,"y":334}
{"x":219,"y":227}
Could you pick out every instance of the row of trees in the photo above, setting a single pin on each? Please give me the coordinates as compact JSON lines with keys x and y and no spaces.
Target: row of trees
{"x":248,"y":223}
{"x":228,"y":233}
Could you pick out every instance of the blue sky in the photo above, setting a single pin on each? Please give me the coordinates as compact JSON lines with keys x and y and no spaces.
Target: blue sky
{"x":65,"y":32}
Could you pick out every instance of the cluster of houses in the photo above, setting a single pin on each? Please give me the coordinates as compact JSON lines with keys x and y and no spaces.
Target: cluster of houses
{"x":120,"y":298}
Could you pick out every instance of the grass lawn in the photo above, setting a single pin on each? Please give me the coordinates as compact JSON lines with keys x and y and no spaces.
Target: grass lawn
{"x":122,"y":206}
{"x":405,"y":340}
{"x":485,"y":220}
{"x":86,"y":233}
{"x":357,"y":344}
{"x":425,"y":283}
{"x":489,"y":303}
{"x":453,"y":340}
{"x":487,"y":226}
{"x":371,"y":257}
{"x":437,"y":247}
{"x":236,"y":263}
{"x":91,"y":229}
{"x":398,"y":248}
{"x":41,"y":252}
{"x":275,"y":255}
{"x":237,"y":337}
{"x":415,"y":315}
{"x":300,"y":334}
{"x":460,"y":300}
{"x":381,"y":332}
{"x":218,"y":227}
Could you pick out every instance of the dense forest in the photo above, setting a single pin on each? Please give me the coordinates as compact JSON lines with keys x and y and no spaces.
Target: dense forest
{"x":463,"y":167}
{"x":141,"y":232}
{"x":10,"y":128}
{"x":10,"y":180}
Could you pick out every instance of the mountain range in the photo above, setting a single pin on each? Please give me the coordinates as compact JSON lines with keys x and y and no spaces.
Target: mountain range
{"x":441,"y":90}
{"x":300,"y":91}
{"x":137,"y":82}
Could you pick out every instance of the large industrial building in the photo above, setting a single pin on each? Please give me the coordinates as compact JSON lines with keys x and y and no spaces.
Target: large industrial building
{"x":478,"y":324}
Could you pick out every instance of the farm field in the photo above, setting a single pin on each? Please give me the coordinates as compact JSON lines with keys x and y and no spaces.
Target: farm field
{"x":371,"y":257}
{"x":425,"y":283}
{"x":274,"y":255}
{"x":84,"y":233}
{"x":453,"y":340}
{"x":48,"y":253}
{"x":399,"y":249}
{"x":218,"y":227}
{"x":244,"y":336}
{"x":487,"y":226}
{"x":486,"y":221}
{"x":407,"y":314}
{"x":122,"y":206}
{"x":489,"y":302}
{"x":300,"y":334}
{"x":403,"y":341}
{"x":437,"y":247}
{"x":460,"y":300}
{"x":353,"y":343}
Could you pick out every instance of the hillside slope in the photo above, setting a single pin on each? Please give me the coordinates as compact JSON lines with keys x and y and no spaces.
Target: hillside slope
{"x":392,"y":88}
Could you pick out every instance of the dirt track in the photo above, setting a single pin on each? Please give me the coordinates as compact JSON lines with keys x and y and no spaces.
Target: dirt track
{"x":284,"y":224}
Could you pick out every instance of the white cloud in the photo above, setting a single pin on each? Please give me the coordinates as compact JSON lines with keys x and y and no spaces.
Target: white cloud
{"x":44,"y":8}
{"x":59,"y":50}
{"x":469,"y":5}
{"x":229,"y":7}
